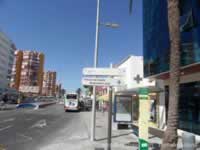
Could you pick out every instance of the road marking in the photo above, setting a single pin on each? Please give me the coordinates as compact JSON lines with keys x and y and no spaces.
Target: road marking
{"x":1,"y":129}
{"x":26,"y":137}
{"x":40,"y":124}
{"x":7,"y":120}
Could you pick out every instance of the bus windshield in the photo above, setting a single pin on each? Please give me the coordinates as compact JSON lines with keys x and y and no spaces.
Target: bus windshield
{"x":71,"y":96}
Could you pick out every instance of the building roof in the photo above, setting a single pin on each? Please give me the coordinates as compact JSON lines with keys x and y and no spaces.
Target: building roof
{"x":124,"y":60}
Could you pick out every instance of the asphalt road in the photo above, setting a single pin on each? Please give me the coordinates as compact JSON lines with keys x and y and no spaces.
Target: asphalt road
{"x":27,"y":129}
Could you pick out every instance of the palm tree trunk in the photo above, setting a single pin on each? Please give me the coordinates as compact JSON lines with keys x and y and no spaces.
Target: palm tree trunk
{"x":170,"y":137}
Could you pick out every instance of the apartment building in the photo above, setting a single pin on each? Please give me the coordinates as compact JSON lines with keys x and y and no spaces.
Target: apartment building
{"x":27,"y":71}
{"x":49,"y":83}
{"x":58,"y":90}
{"x":7,"y":49}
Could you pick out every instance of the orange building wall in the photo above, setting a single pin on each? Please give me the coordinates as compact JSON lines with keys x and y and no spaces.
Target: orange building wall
{"x":41,"y":72}
{"x":18,"y":69}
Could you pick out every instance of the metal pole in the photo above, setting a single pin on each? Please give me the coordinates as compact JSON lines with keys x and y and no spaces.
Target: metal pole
{"x":109,"y":120}
{"x":95,"y":65}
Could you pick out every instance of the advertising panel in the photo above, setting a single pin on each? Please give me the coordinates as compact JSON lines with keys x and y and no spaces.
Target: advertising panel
{"x":123,"y":109}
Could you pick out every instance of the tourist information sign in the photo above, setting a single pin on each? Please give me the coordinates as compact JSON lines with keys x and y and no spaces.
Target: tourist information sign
{"x":144,"y":108}
{"x":101,"y":81}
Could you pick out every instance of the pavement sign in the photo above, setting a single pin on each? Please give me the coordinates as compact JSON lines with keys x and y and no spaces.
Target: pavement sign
{"x":144,"y":108}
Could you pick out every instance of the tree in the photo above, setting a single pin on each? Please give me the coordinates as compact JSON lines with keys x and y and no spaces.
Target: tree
{"x":90,"y":89}
{"x":170,"y":136}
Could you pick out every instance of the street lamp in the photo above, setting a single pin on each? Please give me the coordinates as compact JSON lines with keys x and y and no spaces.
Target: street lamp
{"x":111,"y":25}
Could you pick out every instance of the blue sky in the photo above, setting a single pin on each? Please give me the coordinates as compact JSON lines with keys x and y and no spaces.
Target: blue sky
{"x":64,"y":30}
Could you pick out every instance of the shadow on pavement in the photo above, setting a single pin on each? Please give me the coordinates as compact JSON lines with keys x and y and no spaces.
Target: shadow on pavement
{"x":115,"y":136}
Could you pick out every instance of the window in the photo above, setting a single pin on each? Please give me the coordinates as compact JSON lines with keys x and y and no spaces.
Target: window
{"x":189,"y":22}
{"x":189,"y":107}
{"x":71,"y":96}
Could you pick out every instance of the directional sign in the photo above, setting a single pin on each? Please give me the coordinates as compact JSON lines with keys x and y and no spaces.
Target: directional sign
{"x":103,"y":81}
{"x":103,"y":72}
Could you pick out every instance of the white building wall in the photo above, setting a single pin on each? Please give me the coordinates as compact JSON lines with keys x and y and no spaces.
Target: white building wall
{"x":6,"y":60}
{"x":133,"y":66}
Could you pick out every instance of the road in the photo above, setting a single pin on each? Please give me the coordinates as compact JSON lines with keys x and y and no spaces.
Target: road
{"x":27,"y":129}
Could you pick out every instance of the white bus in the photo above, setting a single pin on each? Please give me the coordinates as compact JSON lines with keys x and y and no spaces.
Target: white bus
{"x":71,"y":102}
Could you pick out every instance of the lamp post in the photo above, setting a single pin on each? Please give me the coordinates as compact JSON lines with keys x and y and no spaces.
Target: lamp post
{"x":111,"y":25}
{"x":92,"y":137}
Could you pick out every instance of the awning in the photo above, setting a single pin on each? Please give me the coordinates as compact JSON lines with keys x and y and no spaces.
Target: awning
{"x":133,"y":91}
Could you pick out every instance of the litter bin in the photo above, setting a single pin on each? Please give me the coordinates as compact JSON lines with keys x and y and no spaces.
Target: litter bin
{"x":188,"y":140}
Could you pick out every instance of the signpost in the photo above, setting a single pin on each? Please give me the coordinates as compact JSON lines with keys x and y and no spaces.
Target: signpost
{"x":103,"y":72}
{"x":101,"y":81}
{"x":144,"y":108}
{"x":104,"y":77}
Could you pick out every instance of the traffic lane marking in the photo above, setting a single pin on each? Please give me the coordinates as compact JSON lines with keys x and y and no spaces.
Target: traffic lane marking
{"x":21,"y":138}
{"x":4,"y":128}
{"x":39,"y":124}
{"x":7,"y":120}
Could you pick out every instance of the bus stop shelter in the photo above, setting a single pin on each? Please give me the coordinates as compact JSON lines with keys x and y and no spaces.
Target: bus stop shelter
{"x":154,"y":102}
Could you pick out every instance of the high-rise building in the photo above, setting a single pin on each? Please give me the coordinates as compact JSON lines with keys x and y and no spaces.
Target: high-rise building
{"x":7,"y":49}
{"x":49,"y":83}
{"x":58,"y":90}
{"x":16,"y":70}
{"x":27,"y":72}
{"x":157,"y":52}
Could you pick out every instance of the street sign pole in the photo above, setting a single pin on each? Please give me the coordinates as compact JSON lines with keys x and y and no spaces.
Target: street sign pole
{"x":109,"y":120}
{"x":95,"y":65}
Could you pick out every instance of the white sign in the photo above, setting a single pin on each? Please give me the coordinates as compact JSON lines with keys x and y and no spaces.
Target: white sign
{"x":103,"y":72}
{"x":29,"y":89}
{"x":103,"y":81}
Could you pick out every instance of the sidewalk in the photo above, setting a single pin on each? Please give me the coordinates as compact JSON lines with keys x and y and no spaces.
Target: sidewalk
{"x":121,"y":139}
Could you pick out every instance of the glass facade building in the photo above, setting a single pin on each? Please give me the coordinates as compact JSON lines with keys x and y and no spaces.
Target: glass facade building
{"x":189,"y":106}
{"x":156,"y":35}
{"x":156,"y":51}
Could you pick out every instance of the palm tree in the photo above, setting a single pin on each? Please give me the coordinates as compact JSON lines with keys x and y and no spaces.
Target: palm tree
{"x":170,"y":136}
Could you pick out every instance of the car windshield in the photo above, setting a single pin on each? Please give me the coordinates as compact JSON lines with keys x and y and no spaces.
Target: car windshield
{"x":71,"y":96}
